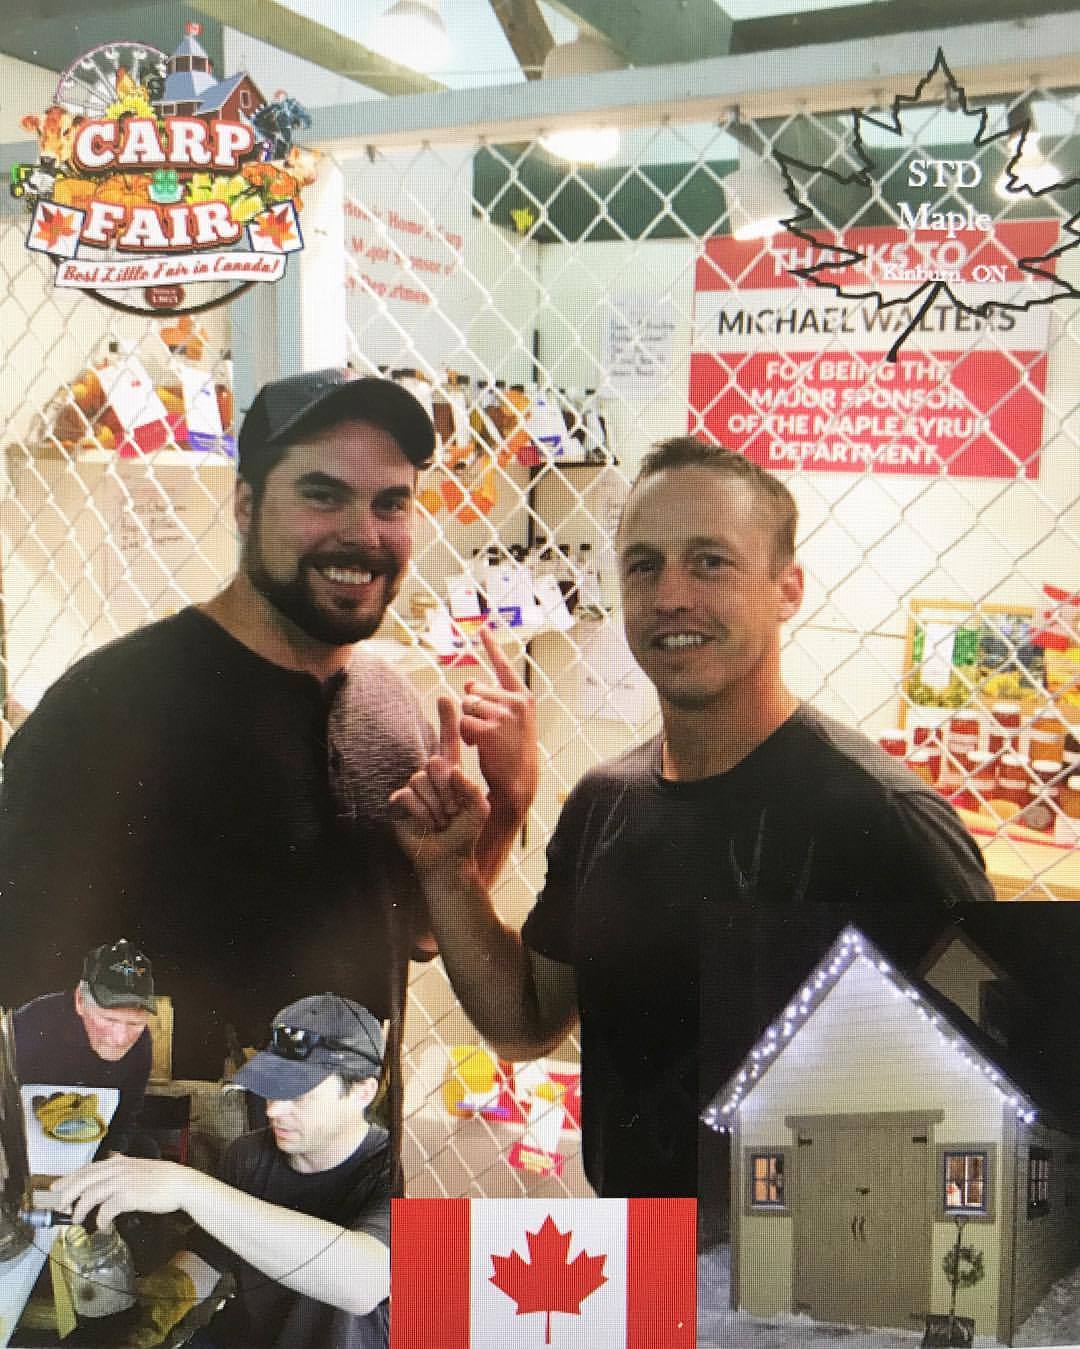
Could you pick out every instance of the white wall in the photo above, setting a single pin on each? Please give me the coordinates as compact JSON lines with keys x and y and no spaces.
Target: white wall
{"x":24,"y":88}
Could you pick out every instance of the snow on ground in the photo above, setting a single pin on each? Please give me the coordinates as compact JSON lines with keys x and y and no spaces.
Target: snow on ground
{"x":1054,"y":1322}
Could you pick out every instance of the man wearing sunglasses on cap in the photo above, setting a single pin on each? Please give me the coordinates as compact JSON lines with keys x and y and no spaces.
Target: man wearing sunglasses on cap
{"x":301,"y":1213}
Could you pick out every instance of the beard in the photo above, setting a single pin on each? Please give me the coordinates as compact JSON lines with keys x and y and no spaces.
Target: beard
{"x":334,"y":623}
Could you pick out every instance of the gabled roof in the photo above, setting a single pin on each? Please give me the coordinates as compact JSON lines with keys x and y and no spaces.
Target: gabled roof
{"x":214,"y":97}
{"x":950,"y":937}
{"x":942,"y":1019}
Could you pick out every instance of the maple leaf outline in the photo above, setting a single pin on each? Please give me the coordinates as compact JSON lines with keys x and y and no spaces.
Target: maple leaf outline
{"x":864,"y":176}
{"x":547,"y":1282}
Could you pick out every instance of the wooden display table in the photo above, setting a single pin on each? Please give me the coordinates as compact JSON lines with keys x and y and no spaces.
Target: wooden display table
{"x":1023,"y":864}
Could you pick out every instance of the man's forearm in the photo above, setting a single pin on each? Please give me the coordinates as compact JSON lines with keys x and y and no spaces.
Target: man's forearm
{"x":487,"y":963}
{"x":349,"y":1270}
{"x":501,"y":829}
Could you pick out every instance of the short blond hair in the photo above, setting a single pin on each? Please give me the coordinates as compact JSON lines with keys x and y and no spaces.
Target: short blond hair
{"x":689,"y":452}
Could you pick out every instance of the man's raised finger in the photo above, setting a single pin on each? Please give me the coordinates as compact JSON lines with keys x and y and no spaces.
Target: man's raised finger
{"x":505,"y":673}
{"x":449,"y":734}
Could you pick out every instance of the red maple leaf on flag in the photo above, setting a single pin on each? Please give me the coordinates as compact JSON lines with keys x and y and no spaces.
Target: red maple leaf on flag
{"x":53,"y":225}
{"x":546,"y":1283}
{"x":276,"y":226}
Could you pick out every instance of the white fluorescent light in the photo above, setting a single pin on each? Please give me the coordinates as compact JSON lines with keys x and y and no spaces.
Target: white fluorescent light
{"x":756,"y":201}
{"x":412,"y":33}
{"x":581,"y":145}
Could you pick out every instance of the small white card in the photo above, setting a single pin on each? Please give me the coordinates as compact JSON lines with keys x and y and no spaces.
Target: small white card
{"x":201,"y":409}
{"x":130,"y":392}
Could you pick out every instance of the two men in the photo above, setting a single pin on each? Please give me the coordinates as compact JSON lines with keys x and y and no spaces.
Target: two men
{"x":673,"y":867}
{"x":216,"y":784}
{"x":94,"y":1036}
{"x":301,"y":1214}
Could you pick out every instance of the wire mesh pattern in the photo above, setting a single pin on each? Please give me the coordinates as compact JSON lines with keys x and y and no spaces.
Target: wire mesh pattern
{"x":558,"y":321}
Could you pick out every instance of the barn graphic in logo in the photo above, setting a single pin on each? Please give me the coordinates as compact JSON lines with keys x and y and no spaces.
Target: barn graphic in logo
{"x":159,"y":186}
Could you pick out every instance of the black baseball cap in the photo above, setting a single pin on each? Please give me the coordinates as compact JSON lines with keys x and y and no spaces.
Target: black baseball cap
{"x":309,"y":1041}
{"x":119,"y":976}
{"x":286,"y":409}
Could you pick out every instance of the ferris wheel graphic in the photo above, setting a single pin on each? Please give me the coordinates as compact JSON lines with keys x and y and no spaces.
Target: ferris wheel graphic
{"x":103,"y":77}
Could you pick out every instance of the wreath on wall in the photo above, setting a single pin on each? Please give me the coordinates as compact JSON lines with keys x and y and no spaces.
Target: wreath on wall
{"x":963,"y":1266}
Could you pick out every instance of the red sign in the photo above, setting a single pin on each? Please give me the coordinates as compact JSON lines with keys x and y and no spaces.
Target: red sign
{"x":795,"y":376}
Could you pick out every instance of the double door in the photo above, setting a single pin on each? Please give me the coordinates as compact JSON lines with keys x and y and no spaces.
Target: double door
{"x":862,"y":1222}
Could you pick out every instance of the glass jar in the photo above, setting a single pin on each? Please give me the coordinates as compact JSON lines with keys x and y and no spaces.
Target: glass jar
{"x":927,"y":764}
{"x":99,"y":1271}
{"x":1011,"y":788}
{"x":894,"y":742}
{"x":1041,"y":810}
{"x":964,"y":732}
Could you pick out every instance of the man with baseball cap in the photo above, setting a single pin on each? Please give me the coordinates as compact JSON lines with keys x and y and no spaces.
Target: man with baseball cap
{"x":95,"y":1035}
{"x":301,"y":1214}
{"x":216,"y":784}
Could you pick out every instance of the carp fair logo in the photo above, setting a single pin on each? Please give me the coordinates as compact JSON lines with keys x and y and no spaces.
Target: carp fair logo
{"x":159,"y":187}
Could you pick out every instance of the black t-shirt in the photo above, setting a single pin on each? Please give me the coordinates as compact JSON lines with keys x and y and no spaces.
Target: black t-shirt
{"x":227,"y":815}
{"x":354,"y":1195}
{"x":664,"y":896}
{"x":51,"y":1045}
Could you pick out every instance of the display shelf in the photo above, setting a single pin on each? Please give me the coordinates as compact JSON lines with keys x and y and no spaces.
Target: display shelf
{"x":171,"y":457}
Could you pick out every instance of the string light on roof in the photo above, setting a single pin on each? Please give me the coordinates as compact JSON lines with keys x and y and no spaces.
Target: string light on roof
{"x":771,"y":1042}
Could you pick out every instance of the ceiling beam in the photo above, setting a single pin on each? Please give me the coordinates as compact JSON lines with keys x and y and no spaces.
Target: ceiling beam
{"x":812,"y":79}
{"x":653,"y":32}
{"x":880,"y":18}
{"x":280,"y":27}
{"x":526,"y":32}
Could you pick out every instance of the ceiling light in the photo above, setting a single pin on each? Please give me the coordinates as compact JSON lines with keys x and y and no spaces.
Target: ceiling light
{"x":1032,"y":172}
{"x":756,"y":201}
{"x":581,"y":145}
{"x":412,"y":33}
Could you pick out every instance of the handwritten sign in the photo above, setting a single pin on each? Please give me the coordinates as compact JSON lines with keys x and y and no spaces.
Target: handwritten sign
{"x":638,"y":344}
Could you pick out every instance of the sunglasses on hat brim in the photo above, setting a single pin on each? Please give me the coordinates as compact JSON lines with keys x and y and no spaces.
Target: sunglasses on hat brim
{"x":293,"y":1042}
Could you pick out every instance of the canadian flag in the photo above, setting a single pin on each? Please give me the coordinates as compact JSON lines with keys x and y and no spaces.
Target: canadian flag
{"x":534,"y":1273}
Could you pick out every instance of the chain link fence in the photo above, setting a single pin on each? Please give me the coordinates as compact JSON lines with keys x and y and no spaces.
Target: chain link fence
{"x":558,"y":321}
